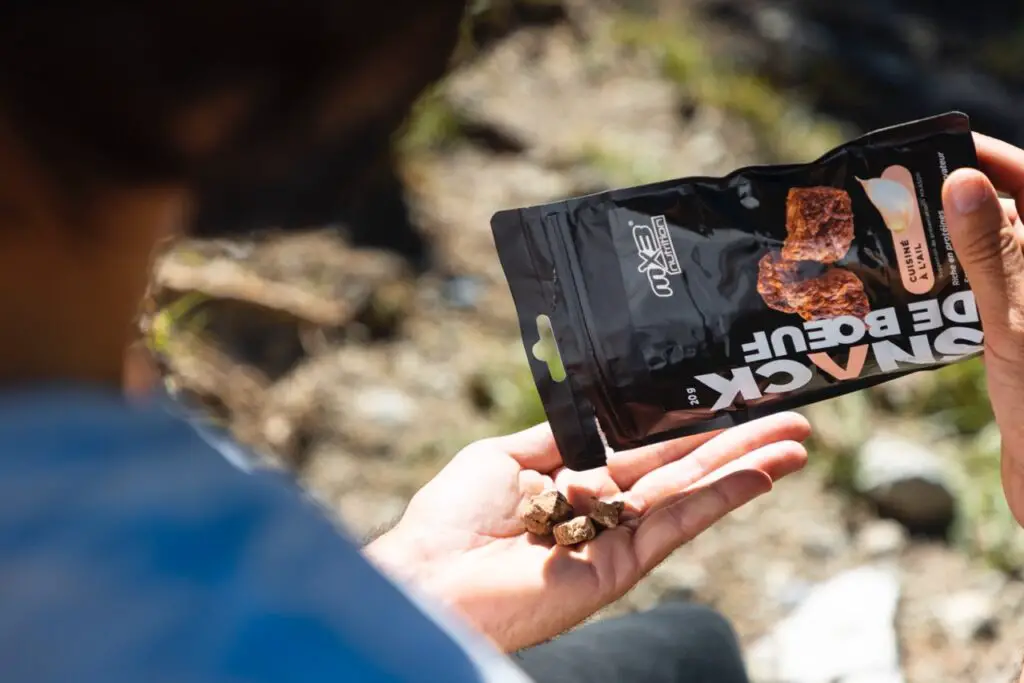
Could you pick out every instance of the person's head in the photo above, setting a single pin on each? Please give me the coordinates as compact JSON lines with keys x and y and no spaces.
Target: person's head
{"x":125,"y":122}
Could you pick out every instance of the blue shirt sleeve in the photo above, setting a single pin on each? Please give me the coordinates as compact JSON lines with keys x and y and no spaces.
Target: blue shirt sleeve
{"x":130,"y":550}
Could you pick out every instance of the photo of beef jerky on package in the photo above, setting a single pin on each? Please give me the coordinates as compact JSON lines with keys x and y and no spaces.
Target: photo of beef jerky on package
{"x":690,"y":305}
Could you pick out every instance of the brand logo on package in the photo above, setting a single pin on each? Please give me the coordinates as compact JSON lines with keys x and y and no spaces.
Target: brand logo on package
{"x":658,"y":257}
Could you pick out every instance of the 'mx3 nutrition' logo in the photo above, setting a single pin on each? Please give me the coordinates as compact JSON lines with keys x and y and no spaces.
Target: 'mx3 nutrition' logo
{"x":658,"y":257}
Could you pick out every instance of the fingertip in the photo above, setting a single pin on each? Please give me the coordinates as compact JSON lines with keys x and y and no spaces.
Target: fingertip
{"x":967,"y":190}
{"x":791,"y":457}
{"x":801,"y":426}
{"x":787,"y":425}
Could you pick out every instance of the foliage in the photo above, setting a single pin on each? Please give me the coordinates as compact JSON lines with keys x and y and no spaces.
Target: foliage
{"x":182,"y":314}
{"x":784,"y":129}
{"x":986,"y":527}
{"x":432,"y":125}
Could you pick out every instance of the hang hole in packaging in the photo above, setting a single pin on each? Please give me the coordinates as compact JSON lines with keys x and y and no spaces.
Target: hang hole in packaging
{"x":546,"y":349}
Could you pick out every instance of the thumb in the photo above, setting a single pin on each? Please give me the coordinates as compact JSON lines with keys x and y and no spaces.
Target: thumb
{"x":985,"y":241}
{"x":986,"y":245}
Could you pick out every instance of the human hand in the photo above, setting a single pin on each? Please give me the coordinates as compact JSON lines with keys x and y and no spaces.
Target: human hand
{"x":461,"y":540}
{"x":987,"y":236}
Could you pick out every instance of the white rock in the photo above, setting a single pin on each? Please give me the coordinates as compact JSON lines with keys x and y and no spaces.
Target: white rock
{"x":843,"y":632}
{"x":967,"y":616}
{"x":385,"y":407}
{"x":820,"y":540}
{"x":906,"y":480}
{"x":882,"y":538}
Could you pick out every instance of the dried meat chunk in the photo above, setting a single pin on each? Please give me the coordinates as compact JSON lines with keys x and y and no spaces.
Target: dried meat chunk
{"x":819,"y":224}
{"x":606,"y":514}
{"x":774,"y":275}
{"x":543,"y":511}
{"x":787,"y":286}
{"x":836,"y":293}
{"x":576,"y":530}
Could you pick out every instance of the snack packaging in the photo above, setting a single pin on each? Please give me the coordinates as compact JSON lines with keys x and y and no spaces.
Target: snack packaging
{"x":695,"y":304}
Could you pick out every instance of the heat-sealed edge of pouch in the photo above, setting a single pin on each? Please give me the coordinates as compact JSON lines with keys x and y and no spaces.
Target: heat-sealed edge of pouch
{"x":528,"y":256}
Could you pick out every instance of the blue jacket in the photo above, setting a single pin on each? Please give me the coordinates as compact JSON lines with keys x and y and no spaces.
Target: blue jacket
{"x":132,"y":551}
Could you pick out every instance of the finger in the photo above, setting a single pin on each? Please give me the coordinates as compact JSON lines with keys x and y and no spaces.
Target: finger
{"x":777,"y":460}
{"x":1012,"y":475}
{"x":985,"y":242}
{"x":704,"y":451}
{"x":724,"y":448}
{"x":1003,"y":163}
{"x":626,"y":467}
{"x":580,"y":487}
{"x":991,"y":255}
{"x":532,"y":482}
{"x":680,"y":521}
{"x":533,"y":448}
{"x":1010,"y":209}
{"x":1013,"y":215}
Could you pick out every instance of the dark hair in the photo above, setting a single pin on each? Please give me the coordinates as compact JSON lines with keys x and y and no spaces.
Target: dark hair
{"x":97,"y":86}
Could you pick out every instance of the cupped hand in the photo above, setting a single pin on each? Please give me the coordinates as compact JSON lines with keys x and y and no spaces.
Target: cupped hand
{"x":461,"y":540}
{"x":988,"y":236}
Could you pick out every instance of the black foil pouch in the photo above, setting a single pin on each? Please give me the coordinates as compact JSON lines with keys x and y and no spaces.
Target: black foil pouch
{"x":695,"y":304}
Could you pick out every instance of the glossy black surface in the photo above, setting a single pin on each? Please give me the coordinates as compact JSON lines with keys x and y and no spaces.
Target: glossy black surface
{"x":637,"y":320}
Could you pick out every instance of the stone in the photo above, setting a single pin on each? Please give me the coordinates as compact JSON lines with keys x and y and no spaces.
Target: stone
{"x":844,"y":631}
{"x":385,"y":407}
{"x":882,"y":538}
{"x":906,"y":481}
{"x":822,"y":541}
{"x":606,"y":514}
{"x":576,"y":530}
{"x":462,"y":291}
{"x":968,"y":616}
{"x":541,"y":512}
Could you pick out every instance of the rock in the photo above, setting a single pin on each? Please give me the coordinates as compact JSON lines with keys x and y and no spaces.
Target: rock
{"x":462,"y":292}
{"x":967,"y":616}
{"x":576,"y":530}
{"x":907,"y":482}
{"x":821,"y":541}
{"x":882,"y":538}
{"x":792,"y":593}
{"x":605,"y":514}
{"x":843,"y":632}
{"x":385,"y":407}
{"x":541,"y":512}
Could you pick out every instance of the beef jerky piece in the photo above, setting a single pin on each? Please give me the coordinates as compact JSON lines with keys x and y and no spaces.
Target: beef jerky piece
{"x":543,"y":511}
{"x":819,"y":224}
{"x":774,"y":276}
{"x":576,"y":530}
{"x":838,"y":292}
{"x":606,"y":515}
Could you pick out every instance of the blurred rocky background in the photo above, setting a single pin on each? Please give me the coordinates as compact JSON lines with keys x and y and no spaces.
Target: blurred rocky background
{"x":364,"y":353}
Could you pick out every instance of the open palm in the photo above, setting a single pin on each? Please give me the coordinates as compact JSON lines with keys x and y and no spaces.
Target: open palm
{"x":462,"y":542}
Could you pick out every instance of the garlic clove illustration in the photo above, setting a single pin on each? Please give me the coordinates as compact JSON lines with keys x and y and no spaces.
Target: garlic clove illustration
{"x":892,"y":200}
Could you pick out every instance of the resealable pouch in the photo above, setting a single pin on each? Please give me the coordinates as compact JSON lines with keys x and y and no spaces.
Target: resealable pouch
{"x":694,"y":304}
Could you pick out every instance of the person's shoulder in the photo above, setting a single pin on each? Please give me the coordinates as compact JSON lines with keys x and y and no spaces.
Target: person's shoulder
{"x":192,"y":561}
